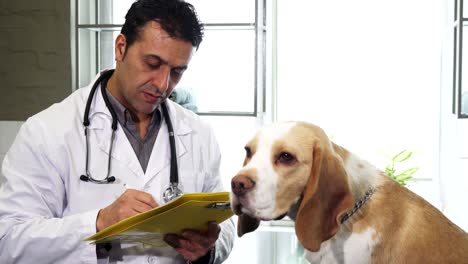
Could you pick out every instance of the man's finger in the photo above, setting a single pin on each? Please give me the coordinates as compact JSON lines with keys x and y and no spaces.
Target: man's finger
{"x":172,"y":240}
{"x":140,"y":207}
{"x":192,"y":245}
{"x":145,"y":198}
{"x":190,"y":248}
{"x":213,"y":230}
{"x":188,"y":255}
{"x":196,"y":237}
{"x":205,"y":238}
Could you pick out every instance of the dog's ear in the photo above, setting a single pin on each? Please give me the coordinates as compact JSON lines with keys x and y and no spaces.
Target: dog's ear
{"x":246,"y":224}
{"x":325,"y":198}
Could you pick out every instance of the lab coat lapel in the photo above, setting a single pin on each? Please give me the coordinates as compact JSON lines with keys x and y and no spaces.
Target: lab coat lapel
{"x":161,"y":154}
{"x":100,"y":122}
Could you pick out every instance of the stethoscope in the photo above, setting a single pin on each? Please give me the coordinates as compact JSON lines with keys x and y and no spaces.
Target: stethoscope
{"x":173,"y":190}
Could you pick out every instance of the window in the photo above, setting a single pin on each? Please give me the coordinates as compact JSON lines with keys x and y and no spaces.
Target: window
{"x":226,"y":73}
{"x":460,"y":74}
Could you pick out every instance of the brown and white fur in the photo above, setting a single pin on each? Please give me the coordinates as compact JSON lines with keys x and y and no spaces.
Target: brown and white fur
{"x":294,"y":168}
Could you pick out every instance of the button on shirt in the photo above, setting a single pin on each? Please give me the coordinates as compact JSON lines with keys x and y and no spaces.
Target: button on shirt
{"x":142,"y":147}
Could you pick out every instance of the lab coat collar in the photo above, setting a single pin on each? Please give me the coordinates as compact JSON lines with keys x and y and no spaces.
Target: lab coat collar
{"x":161,"y":155}
{"x":100,"y":122}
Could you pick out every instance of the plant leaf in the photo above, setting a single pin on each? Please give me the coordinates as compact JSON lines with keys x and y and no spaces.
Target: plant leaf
{"x":410,"y":171}
{"x":408,"y":155}
{"x":405,"y":177}
{"x":398,"y":155}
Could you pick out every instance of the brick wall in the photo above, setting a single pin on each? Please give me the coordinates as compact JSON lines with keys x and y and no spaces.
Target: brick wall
{"x":35,"y":68}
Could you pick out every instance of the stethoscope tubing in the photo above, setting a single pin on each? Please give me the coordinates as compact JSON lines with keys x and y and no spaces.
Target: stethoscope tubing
{"x":173,"y":190}
{"x":174,"y":171}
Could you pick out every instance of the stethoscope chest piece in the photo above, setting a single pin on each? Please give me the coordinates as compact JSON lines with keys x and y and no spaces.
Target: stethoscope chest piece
{"x":172,"y":192}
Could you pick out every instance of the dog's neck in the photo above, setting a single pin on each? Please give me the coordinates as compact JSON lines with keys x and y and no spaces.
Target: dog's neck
{"x":362,"y":176}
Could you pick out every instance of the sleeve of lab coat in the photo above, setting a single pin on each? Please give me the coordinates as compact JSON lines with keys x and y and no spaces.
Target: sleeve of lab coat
{"x":32,"y":200}
{"x":213,"y":183}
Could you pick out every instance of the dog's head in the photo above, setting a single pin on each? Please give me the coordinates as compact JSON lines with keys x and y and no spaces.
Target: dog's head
{"x":292,"y":168}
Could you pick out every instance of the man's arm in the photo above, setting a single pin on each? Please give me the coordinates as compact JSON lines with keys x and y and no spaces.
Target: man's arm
{"x":32,"y":201}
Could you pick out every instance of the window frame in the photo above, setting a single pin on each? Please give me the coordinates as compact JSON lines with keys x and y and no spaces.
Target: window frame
{"x":459,"y":23}
{"x":259,"y":26}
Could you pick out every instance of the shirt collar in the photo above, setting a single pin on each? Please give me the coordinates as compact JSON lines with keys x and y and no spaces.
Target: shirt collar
{"x":124,"y":114}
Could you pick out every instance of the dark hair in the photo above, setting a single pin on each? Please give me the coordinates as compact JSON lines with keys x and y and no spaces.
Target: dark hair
{"x":176,"y":17}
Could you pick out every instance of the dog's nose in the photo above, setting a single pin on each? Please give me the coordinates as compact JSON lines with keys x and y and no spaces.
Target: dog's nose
{"x":241,"y":184}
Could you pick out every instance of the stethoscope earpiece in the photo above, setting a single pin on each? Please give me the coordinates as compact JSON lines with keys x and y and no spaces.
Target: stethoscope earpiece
{"x":84,"y":178}
{"x":111,"y":179}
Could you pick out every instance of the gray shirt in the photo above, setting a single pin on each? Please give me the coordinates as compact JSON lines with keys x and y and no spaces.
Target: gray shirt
{"x":128,"y":121}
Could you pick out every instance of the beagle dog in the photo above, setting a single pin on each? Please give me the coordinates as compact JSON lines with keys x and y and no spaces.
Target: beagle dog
{"x":345,"y":210}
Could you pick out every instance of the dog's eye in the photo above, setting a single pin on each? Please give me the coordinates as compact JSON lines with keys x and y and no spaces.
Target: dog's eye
{"x":248,"y":152}
{"x":286,"y":158}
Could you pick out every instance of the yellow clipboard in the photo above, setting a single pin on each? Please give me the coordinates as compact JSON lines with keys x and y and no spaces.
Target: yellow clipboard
{"x":190,"y":211}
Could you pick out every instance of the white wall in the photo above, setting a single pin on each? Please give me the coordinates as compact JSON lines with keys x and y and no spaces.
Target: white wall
{"x":8,"y":131}
{"x":454,"y":168}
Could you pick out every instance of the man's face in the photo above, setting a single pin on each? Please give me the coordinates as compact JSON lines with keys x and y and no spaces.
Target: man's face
{"x":149,"y":70}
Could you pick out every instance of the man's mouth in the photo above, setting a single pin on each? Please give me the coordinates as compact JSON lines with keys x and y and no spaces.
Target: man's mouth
{"x":150,"y":98}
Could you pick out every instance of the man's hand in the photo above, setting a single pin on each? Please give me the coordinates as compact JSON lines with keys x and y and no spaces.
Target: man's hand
{"x":193,"y":244}
{"x":131,"y":202}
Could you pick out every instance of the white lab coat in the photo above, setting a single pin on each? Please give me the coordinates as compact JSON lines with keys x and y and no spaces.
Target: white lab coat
{"x":46,"y":210}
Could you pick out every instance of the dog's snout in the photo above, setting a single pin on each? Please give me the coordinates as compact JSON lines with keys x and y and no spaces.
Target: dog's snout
{"x":241,"y":184}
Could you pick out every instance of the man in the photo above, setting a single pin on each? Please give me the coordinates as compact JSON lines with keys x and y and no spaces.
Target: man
{"x":56,"y":191}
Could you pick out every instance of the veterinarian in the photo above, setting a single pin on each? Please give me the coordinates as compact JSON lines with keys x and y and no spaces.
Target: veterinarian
{"x":104,"y":154}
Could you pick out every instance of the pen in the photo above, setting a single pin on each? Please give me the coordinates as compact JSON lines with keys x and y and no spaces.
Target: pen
{"x":125,"y":188}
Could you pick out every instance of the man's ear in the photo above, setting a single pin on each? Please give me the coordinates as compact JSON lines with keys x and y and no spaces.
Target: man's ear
{"x":325,"y":198}
{"x":246,"y":224}
{"x":120,"y":47}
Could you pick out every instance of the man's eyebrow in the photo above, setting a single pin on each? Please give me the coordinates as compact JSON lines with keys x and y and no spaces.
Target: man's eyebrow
{"x":156,"y":57}
{"x":183,"y":67}
{"x":162,"y":61}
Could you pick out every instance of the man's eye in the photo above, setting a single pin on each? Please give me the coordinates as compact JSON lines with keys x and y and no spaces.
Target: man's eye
{"x":177,"y":72}
{"x":154,"y":66}
{"x":286,"y":158}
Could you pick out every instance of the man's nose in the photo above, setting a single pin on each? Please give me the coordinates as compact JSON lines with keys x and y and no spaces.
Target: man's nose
{"x":161,"y":79}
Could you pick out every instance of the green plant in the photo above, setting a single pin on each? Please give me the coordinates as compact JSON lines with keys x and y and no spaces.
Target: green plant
{"x":393,"y":169}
